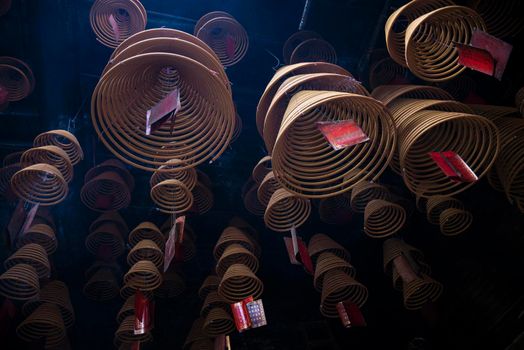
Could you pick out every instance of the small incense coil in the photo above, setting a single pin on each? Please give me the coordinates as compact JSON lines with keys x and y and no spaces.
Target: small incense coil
{"x":267,"y":187}
{"x":143,"y":276}
{"x":383,"y":218}
{"x":238,"y":283}
{"x":328,"y":262}
{"x":40,"y":184}
{"x":303,"y":160}
{"x":147,"y":230}
{"x":195,"y":333}
{"x":172,"y":286}
{"x":52,"y":155}
{"x":188,"y":249}
{"x":110,"y":217}
{"x":221,"y":31}
{"x":16,"y":77}
{"x":320,"y":243}
{"x":172,"y":197}
{"x":126,"y":334}
{"x":421,"y":291}
{"x":232,"y":235}
{"x":102,"y":286}
{"x":236,"y":254}
{"x":335,"y":210}
{"x":106,"y":235}
{"x":519,"y":100}
{"x":296,"y":39}
{"x":286,"y":210}
{"x":107,"y":187}
{"x":394,"y":247}
{"x":31,"y":254}
{"x":146,"y":250}
{"x":45,"y":322}
{"x":209,"y":285}
{"x":218,"y":321}
{"x":502,"y":19}
{"x":262,"y":168}
{"x":20,"y":282}
{"x":128,"y":309}
{"x":213,"y":300}
{"x":366,"y":191}
{"x":454,"y":221}
{"x":6,"y":173}
{"x":337,"y":287}
{"x":63,"y":139}
{"x":431,"y":38}
{"x":386,"y":71}
{"x":388,"y":94}
{"x":41,"y":234}
{"x":251,"y":201}
{"x":435,"y":205}
{"x":314,"y":50}
{"x":114,"y":166}
{"x":130,"y":17}
{"x":57,"y":293}
{"x":203,"y":199}
{"x":170,"y":170}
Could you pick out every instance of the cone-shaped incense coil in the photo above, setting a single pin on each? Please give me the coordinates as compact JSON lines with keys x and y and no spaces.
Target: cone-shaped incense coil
{"x":395,"y":247}
{"x":106,"y":236}
{"x":382,"y":218}
{"x":172,"y":286}
{"x":232,"y":235}
{"x":20,"y":282}
{"x":209,"y":285}
{"x":262,"y":168}
{"x":196,"y":333}
{"x":6,"y":173}
{"x":238,"y":283}
{"x":128,"y":309}
{"x":106,"y":192}
{"x":102,"y":286}
{"x":112,"y":217}
{"x":337,"y":287}
{"x":16,"y":77}
{"x":364,"y":192}
{"x":454,"y":221}
{"x":320,"y":243}
{"x":296,"y":39}
{"x":500,"y":17}
{"x":236,"y":254}
{"x":386,"y":71}
{"x":172,"y":197}
{"x":286,"y":210}
{"x":31,"y":254}
{"x":267,"y":187}
{"x":203,"y":199}
{"x":41,"y":234}
{"x":328,"y":262}
{"x":251,"y":201}
{"x":147,"y":230}
{"x":52,"y":155}
{"x":171,"y":171}
{"x":435,"y":205}
{"x":388,"y":94}
{"x":57,"y":293}
{"x":218,"y":321}
{"x":40,"y":183}
{"x":146,"y":250}
{"x":127,"y":291}
{"x":63,"y":139}
{"x":45,"y":322}
{"x":126,"y":334}
{"x":421,"y":291}
{"x":143,"y":276}
{"x":213,"y":300}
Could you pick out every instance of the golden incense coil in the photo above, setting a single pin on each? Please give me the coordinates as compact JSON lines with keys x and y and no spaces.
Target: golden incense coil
{"x":501,"y":17}
{"x":126,"y":332}
{"x":421,"y":291}
{"x":314,"y":50}
{"x":143,"y":275}
{"x":45,"y":322}
{"x":31,"y":254}
{"x":296,"y":39}
{"x":386,"y":71}
{"x":102,"y":286}
{"x":64,"y":140}
{"x":262,"y":168}
{"x":52,"y":155}
{"x":57,"y":293}
{"x":251,"y":201}
{"x":364,"y":192}
{"x":106,"y":192}
{"x":128,"y":309}
{"x":20,"y":282}
{"x":286,"y":210}
{"x":40,"y":184}
{"x":454,"y":221}
{"x":171,"y":170}
{"x":203,"y":199}
{"x":435,"y":205}
{"x":172,"y":285}
{"x":213,"y":300}
{"x":218,"y":321}
{"x":41,"y":234}
{"x":320,"y":243}
{"x":209,"y":285}
{"x":387,"y":94}
{"x":147,"y":230}
{"x":232,"y":235}
{"x":172,"y":197}
{"x":236,"y":254}
{"x":238,"y":283}
{"x":337,"y":287}
{"x":267,"y":187}
{"x":383,"y":218}
{"x":327,"y":262}
{"x":146,"y":250}
{"x":16,"y":77}
{"x":106,"y":236}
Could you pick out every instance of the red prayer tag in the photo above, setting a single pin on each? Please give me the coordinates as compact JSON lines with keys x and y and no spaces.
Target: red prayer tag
{"x":453,"y":166}
{"x":342,"y":133}
{"x":498,"y":49}
{"x":350,"y":315}
{"x":289,"y":247}
{"x":305,"y":259}
{"x":476,"y":59}
{"x":241,"y":316}
{"x":164,"y":110}
{"x":143,"y":320}
{"x":257,"y":314}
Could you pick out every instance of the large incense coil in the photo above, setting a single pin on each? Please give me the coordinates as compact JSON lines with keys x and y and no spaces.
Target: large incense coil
{"x":430,"y":41}
{"x":102,"y":286}
{"x":286,"y":210}
{"x":232,"y":235}
{"x":314,"y":50}
{"x":296,"y":39}
{"x":146,"y":250}
{"x":292,"y":85}
{"x":385,"y":72}
{"x":203,"y":199}
{"x":195,"y":333}
{"x":143,"y":275}
{"x":209,"y":285}
{"x":16,"y":77}
{"x":474,"y":138}
{"x":236,"y":254}
{"x":455,"y":221}
{"x":129,"y":15}
{"x":213,"y":300}
{"x":395,"y":247}
{"x":45,"y":322}
{"x":114,"y":166}
{"x":251,"y":201}
{"x":31,"y":254}
{"x":172,"y":197}
{"x":337,"y":287}
{"x":335,"y":210}
{"x":303,"y":160}
{"x":267,"y":187}
{"x":20,"y":282}
{"x":387,"y":94}
{"x":52,"y":155}
{"x":57,"y":293}
{"x":147,"y":230}
{"x":519,"y":100}
{"x":126,"y":334}
{"x":320,"y":243}
{"x":281,"y":75}
{"x":40,"y":184}
{"x":6,"y":173}
{"x":383,"y":218}
{"x":501,"y":17}
{"x":128,"y":309}
{"x":365,"y":191}
{"x":63,"y":139}
{"x":41,"y":234}
{"x":106,"y":236}
{"x":262,"y":168}
{"x":110,"y":217}
{"x":223,"y":34}
{"x":395,"y":28}
{"x":420,"y":291}
{"x":106,"y":192}
{"x":238,"y":283}
{"x":328,"y":262}
{"x":218,"y":321}
{"x":435,"y":205}
{"x":172,"y":286}
{"x":170,"y":170}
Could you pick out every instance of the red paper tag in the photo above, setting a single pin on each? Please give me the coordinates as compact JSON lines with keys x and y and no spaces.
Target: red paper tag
{"x":297,"y":251}
{"x":241,"y":315}
{"x":29,"y":219}
{"x":342,"y":133}
{"x":257,"y":314}
{"x":220,"y":342}
{"x":350,"y":315}
{"x":453,"y":166}
{"x":114,"y":26}
{"x":476,"y":59}
{"x":3,"y":95}
{"x":169,"y":251}
{"x":498,"y":49}
{"x":305,"y":259}
{"x":143,"y":320}
{"x":104,"y":202}
{"x":289,"y":247}
{"x":230,"y":46}
{"x":164,"y":110}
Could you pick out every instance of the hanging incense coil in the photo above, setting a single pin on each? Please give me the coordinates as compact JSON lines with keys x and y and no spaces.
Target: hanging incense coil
{"x":383,"y":218}
{"x":143,"y":275}
{"x":394,"y":247}
{"x":112,"y":217}
{"x":20,"y":282}
{"x":303,"y":160}
{"x":494,"y":113}
{"x":57,"y":293}
{"x":218,"y":321}
{"x":314,"y":50}
{"x":385,"y":72}
{"x":203,"y":199}
{"x":147,"y":230}
{"x":213,"y":300}
{"x":128,"y":17}
{"x":106,"y":237}
{"x":172,"y":286}
{"x":6,"y":173}
{"x":45,"y":322}
{"x":267,"y":187}
{"x":286,"y":210}
{"x":17,"y":78}
{"x":128,"y":309}
{"x":172,"y":197}
{"x":421,"y":291}
{"x":232,"y":235}
{"x":31,"y":254}
{"x":335,"y":210}
{"x":209,"y":285}
{"x":387,"y":94}
{"x":126,"y":332}
{"x":337,"y":287}
{"x":106,"y":192}
{"x":170,"y":170}
{"x":223,"y":33}
{"x":40,"y":184}
{"x":196,"y":333}
{"x":262,"y":168}
{"x":435,"y":205}
{"x":238,"y":283}
{"x":41,"y":234}
{"x":296,"y":39}
{"x":64,"y":140}
{"x":320,"y":243}
{"x":102,"y":286}
{"x":328,"y":262}
{"x":236,"y":254}
{"x":251,"y":201}
{"x":366,"y":191}
{"x":52,"y":155}
{"x":502,"y":19}
{"x":398,"y":282}
{"x":454,"y":221}
{"x":146,"y":250}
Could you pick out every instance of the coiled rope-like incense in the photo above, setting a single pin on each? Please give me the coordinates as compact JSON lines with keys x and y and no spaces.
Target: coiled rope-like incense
{"x":45,"y":322}
{"x":232,"y":235}
{"x":57,"y":293}
{"x":16,"y":77}
{"x":104,"y":236}
{"x":64,"y":140}
{"x":20,"y":282}
{"x":286,"y":210}
{"x":147,"y":230}
{"x":41,"y":234}
{"x":236,"y":254}
{"x":296,"y":39}
{"x":327,"y":262}
{"x":40,"y":184}
{"x":106,"y":192}
{"x":172,"y":196}
{"x":383,"y":218}
{"x":146,"y":250}
{"x":320,"y":243}
{"x":238,"y":283}
{"x":102,"y":286}
{"x":51,"y":155}
{"x":143,"y":275}
{"x":337,"y":287}
{"x":314,"y":50}
{"x":126,"y":334}
{"x":218,"y":321}
{"x":31,"y":254}
{"x":364,"y":192}
{"x":335,"y":210}
{"x":262,"y":168}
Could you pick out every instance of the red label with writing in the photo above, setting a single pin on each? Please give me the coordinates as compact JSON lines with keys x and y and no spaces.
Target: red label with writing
{"x":164,"y":110}
{"x":143,"y":321}
{"x":453,"y":166}
{"x":476,"y":59}
{"x":498,"y":49}
{"x":342,"y":133}
{"x":350,"y":314}
{"x":305,"y":259}
{"x":241,"y":314}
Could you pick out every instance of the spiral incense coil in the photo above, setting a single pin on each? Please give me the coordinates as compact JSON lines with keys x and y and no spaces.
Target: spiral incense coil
{"x":52,"y":155}
{"x":435,"y":205}
{"x":172,"y":286}
{"x":40,"y":234}
{"x":267,"y":187}
{"x":106,"y":235}
{"x":395,"y":28}
{"x":45,"y":322}
{"x":431,"y":38}
{"x":395,"y":247}
{"x":20,"y":282}
{"x":16,"y":77}
{"x":303,"y":160}
{"x":262,"y":168}
{"x":502,"y":19}
{"x":284,"y":73}
{"x":296,"y":39}
{"x":209,"y":285}
{"x":106,"y":192}
{"x":102,"y":286}
{"x":170,"y":170}
{"x":398,"y":283}
{"x":128,"y":309}
{"x":64,"y":140}
{"x":126,"y":332}
{"x":188,"y":249}
{"x":337,"y":287}
{"x":519,"y":100}
{"x":31,"y":254}
{"x":285,"y":211}
{"x":320,"y":243}
{"x":232,"y":235}
{"x":420,"y":291}
{"x":383,"y":218}
{"x":364,"y":192}
{"x":112,"y":217}
{"x":494,"y":113}
{"x":196,"y":333}
{"x":40,"y":184}
{"x":213,"y":300}
{"x":129,"y":15}
{"x":474,"y":138}
{"x":314,"y":50}
{"x":147,"y":230}
{"x":113,"y":166}
{"x":335,"y":210}
{"x":454,"y":221}
{"x":236,"y":254}
{"x":57,"y":293}
{"x":146,"y":250}
{"x":223,"y":34}
{"x":218,"y":321}
{"x":387,"y":94}
{"x":238,"y":283}
{"x":143,"y":275}
{"x":6,"y":173}
{"x":251,"y":201}
{"x":203,"y":199}
{"x":172,"y":197}
{"x":328,"y":262}
{"x":12,"y":158}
